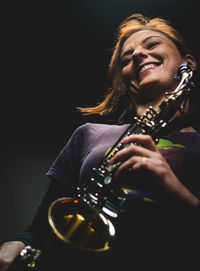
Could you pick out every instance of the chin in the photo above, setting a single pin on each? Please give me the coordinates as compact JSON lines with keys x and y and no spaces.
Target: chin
{"x":150,"y":93}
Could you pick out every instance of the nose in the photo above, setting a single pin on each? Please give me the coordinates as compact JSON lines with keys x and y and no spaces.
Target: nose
{"x":139,"y":54}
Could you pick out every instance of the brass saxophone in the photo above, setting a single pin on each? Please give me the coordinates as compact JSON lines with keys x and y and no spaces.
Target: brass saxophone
{"x":85,"y":222}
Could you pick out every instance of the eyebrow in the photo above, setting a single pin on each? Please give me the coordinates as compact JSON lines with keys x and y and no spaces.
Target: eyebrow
{"x":131,"y":50}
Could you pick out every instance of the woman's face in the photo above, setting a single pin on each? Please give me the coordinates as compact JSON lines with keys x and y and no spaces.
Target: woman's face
{"x":149,"y":61}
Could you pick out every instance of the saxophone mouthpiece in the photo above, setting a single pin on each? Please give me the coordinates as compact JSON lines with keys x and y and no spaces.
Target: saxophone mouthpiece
{"x":183,"y":71}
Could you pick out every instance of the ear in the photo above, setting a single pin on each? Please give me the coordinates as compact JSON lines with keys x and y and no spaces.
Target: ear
{"x":191,"y":62}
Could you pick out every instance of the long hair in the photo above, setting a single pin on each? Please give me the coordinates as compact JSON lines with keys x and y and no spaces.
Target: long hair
{"x":118,"y":99}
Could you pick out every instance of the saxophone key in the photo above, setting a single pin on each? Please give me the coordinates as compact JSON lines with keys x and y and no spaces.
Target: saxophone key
{"x":108,"y":180}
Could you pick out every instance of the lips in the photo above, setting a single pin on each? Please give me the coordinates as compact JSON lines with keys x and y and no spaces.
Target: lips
{"x":145,"y":67}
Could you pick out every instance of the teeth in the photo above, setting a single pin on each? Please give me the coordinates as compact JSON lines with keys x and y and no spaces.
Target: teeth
{"x":146,"y":67}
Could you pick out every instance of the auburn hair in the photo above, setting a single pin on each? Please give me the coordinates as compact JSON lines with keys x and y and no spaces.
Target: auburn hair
{"x":118,"y":97}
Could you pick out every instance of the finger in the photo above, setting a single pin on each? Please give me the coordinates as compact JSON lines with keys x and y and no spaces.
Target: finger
{"x":141,"y":163}
{"x":135,"y":162}
{"x":132,"y":150}
{"x":143,"y":140}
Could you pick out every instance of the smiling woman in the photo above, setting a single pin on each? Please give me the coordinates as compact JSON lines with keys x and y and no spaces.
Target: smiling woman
{"x":119,"y":101}
{"x":149,"y":62}
{"x":136,"y":180}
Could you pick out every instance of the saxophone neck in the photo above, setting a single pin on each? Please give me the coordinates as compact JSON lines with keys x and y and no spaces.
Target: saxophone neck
{"x":153,"y":121}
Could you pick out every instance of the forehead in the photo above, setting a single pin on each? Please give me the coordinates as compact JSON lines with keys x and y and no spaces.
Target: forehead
{"x":141,"y":36}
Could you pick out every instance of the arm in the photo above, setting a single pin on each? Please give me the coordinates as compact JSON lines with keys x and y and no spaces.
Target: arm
{"x":8,"y":252}
{"x":37,"y":233}
{"x":65,"y":168}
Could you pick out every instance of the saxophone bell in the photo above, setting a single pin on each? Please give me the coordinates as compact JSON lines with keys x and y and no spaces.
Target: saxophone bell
{"x":81,"y":225}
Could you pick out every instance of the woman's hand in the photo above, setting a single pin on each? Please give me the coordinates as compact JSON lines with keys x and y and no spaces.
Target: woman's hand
{"x":143,"y":154}
{"x":8,"y":252}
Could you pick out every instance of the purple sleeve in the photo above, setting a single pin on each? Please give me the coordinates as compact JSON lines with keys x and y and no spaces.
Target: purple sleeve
{"x":66,"y":167}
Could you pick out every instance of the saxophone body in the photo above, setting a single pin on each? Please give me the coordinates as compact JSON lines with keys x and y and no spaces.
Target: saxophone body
{"x":86,"y":222}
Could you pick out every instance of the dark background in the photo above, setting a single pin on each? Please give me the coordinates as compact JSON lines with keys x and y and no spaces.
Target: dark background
{"x":55,"y":57}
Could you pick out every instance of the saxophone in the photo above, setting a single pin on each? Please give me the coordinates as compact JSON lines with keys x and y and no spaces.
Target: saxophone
{"x":85,"y":222}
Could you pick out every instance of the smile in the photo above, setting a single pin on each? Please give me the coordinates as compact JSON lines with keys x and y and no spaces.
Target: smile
{"x":147,"y":67}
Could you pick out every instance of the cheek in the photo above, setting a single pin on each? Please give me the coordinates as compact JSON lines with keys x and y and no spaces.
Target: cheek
{"x":173,"y":59}
{"x":171,"y":63}
{"x":125,"y":72}
{"x":128,"y":72}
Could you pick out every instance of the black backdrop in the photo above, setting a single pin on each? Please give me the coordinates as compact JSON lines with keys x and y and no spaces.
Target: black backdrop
{"x":55,"y":57}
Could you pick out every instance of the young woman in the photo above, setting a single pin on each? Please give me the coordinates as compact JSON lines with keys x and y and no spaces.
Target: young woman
{"x":161,"y":179}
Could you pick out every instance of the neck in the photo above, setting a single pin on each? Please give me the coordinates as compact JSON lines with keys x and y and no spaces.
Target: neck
{"x":141,"y":108}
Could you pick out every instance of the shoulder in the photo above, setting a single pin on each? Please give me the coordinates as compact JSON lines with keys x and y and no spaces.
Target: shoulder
{"x":91,"y":134}
{"x":99,"y":128}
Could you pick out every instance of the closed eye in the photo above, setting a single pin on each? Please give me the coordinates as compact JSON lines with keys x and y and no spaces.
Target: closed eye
{"x":152,"y":45}
{"x":125,"y":62}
